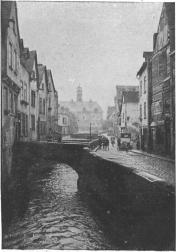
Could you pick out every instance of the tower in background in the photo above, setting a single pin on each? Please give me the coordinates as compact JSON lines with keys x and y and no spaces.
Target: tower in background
{"x":79,"y":93}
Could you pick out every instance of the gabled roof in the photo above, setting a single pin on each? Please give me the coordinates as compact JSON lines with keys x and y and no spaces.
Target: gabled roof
{"x":130,"y":97}
{"x":41,"y":71}
{"x":110,"y":111}
{"x":49,"y":73}
{"x":6,"y":9}
{"x":169,"y":8}
{"x":141,"y":70}
{"x":81,"y":106}
{"x":30,"y":61}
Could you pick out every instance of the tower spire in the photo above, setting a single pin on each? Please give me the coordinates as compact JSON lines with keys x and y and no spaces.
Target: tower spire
{"x":79,"y":93}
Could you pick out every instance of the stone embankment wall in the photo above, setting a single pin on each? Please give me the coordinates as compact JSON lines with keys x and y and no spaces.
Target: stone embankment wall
{"x":146,"y":206}
{"x":115,"y":187}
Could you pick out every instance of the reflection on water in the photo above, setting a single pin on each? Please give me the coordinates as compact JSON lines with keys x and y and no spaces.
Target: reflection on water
{"x":57,"y":216}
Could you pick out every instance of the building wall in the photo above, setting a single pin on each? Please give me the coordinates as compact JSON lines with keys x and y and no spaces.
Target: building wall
{"x":34,"y":109}
{"x":23,"y":105}
{"x":144,"y":116}
{"x":64,"y":122}
{"x":130,"y":119}
{"x":161,"y":85}
{"x":117,"y":101}
{"x":10,"y":77}
{"x":43,"y":93}
{"x":50,"y":105}
{"x":84,"y":119}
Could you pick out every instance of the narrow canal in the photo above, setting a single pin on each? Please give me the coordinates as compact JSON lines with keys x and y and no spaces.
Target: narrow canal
{"x":57,"y":216}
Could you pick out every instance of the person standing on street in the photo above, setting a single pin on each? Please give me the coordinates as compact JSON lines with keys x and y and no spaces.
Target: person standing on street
{"x":118,"y":143}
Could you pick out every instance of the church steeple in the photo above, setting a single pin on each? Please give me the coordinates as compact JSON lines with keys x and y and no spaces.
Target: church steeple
{"x":79,"y":93}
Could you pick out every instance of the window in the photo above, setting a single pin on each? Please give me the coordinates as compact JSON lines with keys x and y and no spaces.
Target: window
{"x":33,"y":98}
{"x":141,"y":112}
{"x":33,"y":122}
{"x":123,"y":118}
{"x":42,"y":86}
{"x":144,"y":110}
{"x":10,"y":55}
{"x":15,"y":61}
{"x":42,"y":128}
{"x":21,"y":90}
{"x":173,"y":70}
{"x":14,"y":28}
{"x":5,"y":98}
{"x":144,"y":84}
{"x":23,"y":123}
{"x":167,"y":105}
{"x":162,"y":68}
{"x":140,"y":88}
{"x":26,"y":125}
{"x":44,"y":106}
{"x":64,"y":120}
{"x":25,"y":92}
{"x":15,"y":104}
{"x":128,"y":118}
{"x":11,"y":102}
{"x":40,"y":105}
{"x":49,"y":102}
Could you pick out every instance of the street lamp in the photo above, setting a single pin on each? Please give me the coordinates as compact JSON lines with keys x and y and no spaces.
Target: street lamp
{"x":90,"y":131}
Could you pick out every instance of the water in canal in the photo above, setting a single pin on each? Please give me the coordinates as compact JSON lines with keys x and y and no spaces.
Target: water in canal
{"x":57,"y":216}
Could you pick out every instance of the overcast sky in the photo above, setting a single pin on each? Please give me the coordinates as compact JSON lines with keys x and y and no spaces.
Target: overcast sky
{"x":95,"y":44}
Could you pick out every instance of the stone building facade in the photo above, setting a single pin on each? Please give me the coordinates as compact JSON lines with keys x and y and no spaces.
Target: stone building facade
{"x":162,"y":128}
{"x":145,"y":85}
{"x":23,"y":85}
{"x":42,"y":101}
{"x":118,"y":103}
{"x":10,"y":82}
{"x":86,"y":112}
{"x":130,"y":113}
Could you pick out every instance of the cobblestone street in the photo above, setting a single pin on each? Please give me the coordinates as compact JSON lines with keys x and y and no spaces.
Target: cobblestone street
{"x":160,"y":168}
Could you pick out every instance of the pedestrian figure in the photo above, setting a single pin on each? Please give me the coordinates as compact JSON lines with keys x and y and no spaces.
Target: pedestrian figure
{"x":104,"y":143}
{"x":107,"y":144}
{"x":118,"y":143}
{"x":99,"y":142}
{"x":112,"y":142}
{"x":127,"y":146}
